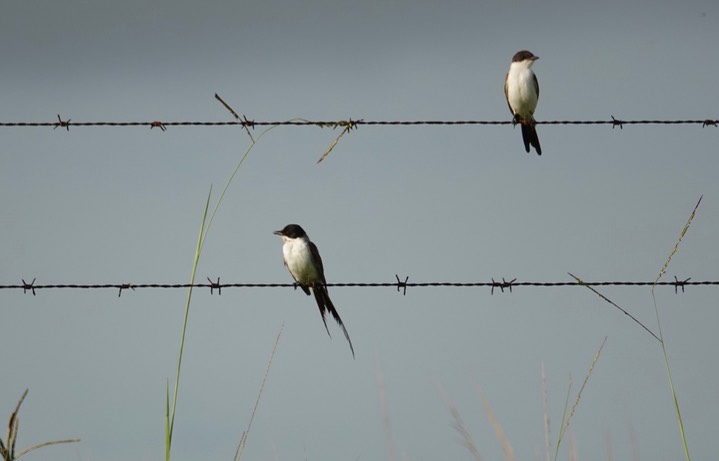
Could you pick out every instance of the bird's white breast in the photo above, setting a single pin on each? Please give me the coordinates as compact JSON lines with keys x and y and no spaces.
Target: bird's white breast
{"x":298,"y":258}
{"x":521,"y":92}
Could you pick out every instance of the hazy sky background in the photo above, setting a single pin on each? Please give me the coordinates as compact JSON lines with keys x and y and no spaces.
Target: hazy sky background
{"x":462,"y":203}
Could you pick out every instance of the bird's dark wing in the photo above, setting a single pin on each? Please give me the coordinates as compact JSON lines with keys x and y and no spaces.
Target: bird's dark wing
{"x":536,"y":84}
{"x":317,"y":260}
{"x":506,"y":93}
{"x":318,"y":287}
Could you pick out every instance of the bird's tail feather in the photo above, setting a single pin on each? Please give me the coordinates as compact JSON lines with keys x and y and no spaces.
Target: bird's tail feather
{"x":325,"y":304}
{"x":530,"y":138}
{"x":319,"y":297}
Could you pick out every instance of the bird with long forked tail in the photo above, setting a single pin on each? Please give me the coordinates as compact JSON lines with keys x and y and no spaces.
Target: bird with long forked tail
{"x":303,"y":260}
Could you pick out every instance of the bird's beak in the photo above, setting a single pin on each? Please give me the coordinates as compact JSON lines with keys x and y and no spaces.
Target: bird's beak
{"x":535,"y":58}
{"x":279,"y":232}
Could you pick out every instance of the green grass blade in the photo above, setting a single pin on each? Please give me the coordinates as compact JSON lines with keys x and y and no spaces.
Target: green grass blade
{"x":232,"y":176}
{"x":676,"y":404}
{"x":662,"y":272}
{"x":204,"y":229}
{"x":198,"y":251}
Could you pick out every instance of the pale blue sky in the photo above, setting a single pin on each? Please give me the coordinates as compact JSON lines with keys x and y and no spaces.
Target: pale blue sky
{"x":464,"y":203}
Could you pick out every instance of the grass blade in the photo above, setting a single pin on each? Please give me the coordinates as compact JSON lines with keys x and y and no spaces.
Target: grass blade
{"x":467,"y":439}
{"x":170,"y":416}
{"x":245,"y":434}
{"x":44,"y":444}
{"x":581,"y":282}
{"x":204,"y":230}
{"x":662,"y":272}
{"x":506,"y":446}
{"x":679,"y":240}
{"x":567,"y":417}
{"x":7,"y":449}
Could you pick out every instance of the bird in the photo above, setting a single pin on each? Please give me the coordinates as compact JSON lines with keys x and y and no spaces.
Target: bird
{"x":522,"y":92}
{"x":303,"y":261}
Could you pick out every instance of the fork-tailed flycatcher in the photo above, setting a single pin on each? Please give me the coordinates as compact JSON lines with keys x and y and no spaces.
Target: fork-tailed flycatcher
{"x":522,"y":92}
{"x":305,"y":265}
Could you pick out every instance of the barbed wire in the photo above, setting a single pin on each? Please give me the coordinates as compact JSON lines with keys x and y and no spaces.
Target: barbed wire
{"x":244,"y":122}
{"x":401,"y":285}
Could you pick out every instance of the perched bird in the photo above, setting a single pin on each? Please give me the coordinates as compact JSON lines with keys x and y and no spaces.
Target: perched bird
{"x":305,"y":265}
{"x":522,"y":92}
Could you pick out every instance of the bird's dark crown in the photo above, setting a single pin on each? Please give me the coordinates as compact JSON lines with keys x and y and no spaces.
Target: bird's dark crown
{"x":292,"y":231}
{"x":523,"y":55}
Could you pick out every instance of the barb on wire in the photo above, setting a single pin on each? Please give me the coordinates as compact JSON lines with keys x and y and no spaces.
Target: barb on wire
{"x":125,"y":286}
{"x":158,"y":124}
{"x":680,"y":283}
{"x":215,"y":285}
{"x":617,"y":122}
{"x":28,"y":286}
{"x":248,"y":123}
{"x":502,"y":285}
{"x":708,"y":122}
{"x":62,"y":123}
{"x":401,"y":284}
